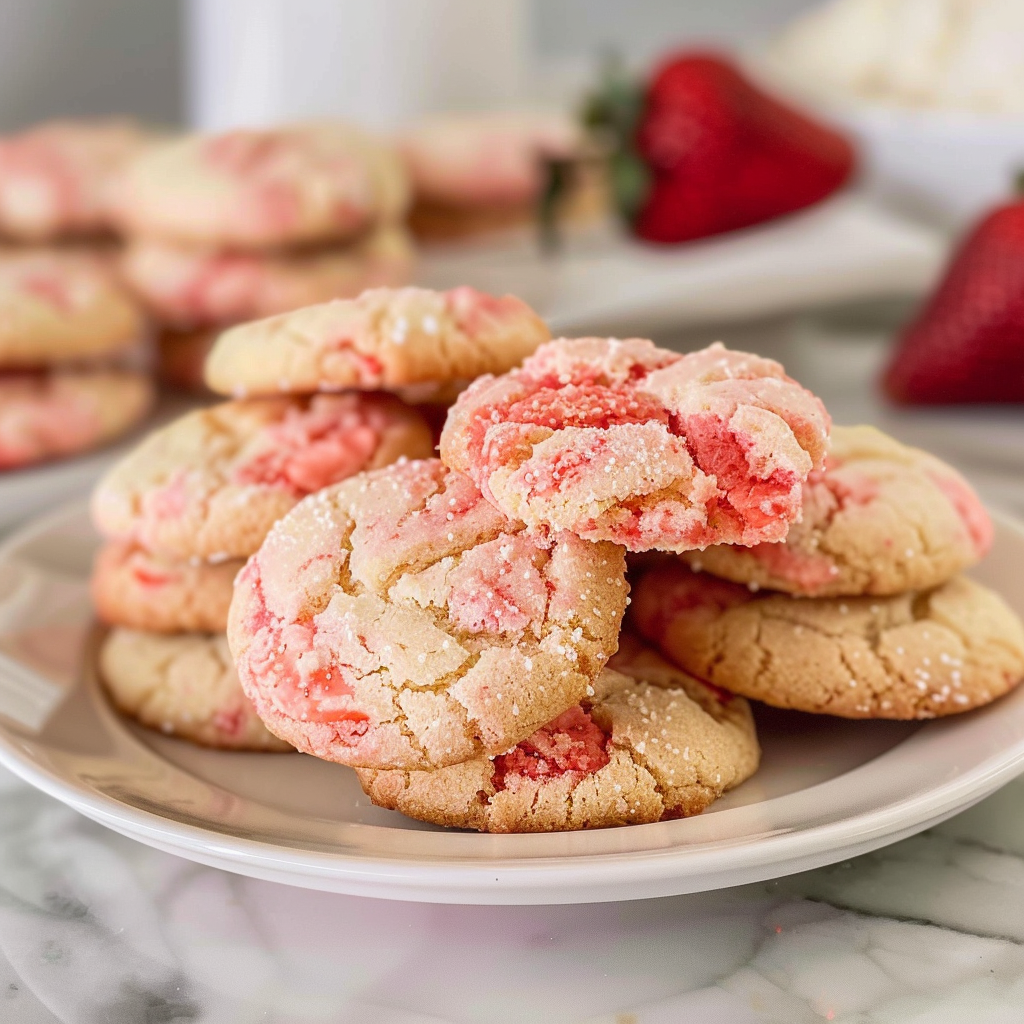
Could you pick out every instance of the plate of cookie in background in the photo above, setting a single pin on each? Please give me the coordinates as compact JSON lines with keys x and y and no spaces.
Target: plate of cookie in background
{"x":650,"y":624}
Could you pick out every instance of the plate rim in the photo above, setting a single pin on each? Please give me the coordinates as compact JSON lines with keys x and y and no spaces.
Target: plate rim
{"x":610,"y":876}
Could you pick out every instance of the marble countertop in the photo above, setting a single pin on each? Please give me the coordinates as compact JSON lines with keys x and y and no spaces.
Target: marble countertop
{"x":97,"y":929}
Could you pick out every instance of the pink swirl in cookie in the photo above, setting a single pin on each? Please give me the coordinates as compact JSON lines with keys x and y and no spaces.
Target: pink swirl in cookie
{"x":622,"y":441}
{"x":309,"y":449}
{"x":573,"y":744}
{"x":697,"y":595}
{"x":975,"y":519}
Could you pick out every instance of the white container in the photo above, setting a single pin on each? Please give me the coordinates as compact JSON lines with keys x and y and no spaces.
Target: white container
{"x":377,"y":62}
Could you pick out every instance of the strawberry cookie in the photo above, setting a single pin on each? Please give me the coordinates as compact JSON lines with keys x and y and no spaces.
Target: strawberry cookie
{"x":55,"y":179}
{"x":190,"y":287}
{"x":914,"y":655}
{"x":134,"y":587}
{"x":184,"y":686}
{"x":48,"y":415}
{"x":398,"y":620}
{"x":881,"y":518}
{"x":211,"y":484}
{"x":257,"y":189}
{"x":60,"y":307}
{"x":385,"y":338}
{"x":623,"y":441}
{"x":650,"y":743}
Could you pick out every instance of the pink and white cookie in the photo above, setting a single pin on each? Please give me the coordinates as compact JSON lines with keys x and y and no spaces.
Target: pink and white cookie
{"x":880,"y":518}
{"x":50,"y":415}
{"x":258,"y":189}
{"x":651,"y":743}
{"x":183,"y":686}
{"x":915,"y":655}
{"x":55,"y":178}
{"x":494,"y":159}
{"x":211,"y":484}
{"x":61,"y":307}
{"x":187,"y":287}
{"x":136,"y":588}
{"x":623,"y":441}
{"x":386,"y":338}
{"x":398,"y":620}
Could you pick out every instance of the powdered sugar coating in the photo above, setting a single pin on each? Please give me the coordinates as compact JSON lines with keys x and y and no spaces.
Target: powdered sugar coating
{"x":623,"y":441}
{"x":55,"y":178}
{"x":195,"y":287}
{"x":651,"y":743}
{"x":255,"y":189}
{"x":211,"y":484}
{"x":881,"y":518}
{"x":907,"y":656}
{"x":385,"y":338}
{"x":62,"y":306}
{"x":136,"y":588}
{"x":183,"y":686}
{"x":49,"y":415}
{"x":398,"y":620}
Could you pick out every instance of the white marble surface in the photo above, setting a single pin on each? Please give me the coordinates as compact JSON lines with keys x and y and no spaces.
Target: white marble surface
{"x":96,"y":929}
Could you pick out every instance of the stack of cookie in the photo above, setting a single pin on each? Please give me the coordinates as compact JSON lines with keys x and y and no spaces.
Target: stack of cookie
{"x":226,"y":228}
{"x":444,"y":626}
{"x":862,"y":610}
{"x":71,"y":375}
{"x":183,"y":511}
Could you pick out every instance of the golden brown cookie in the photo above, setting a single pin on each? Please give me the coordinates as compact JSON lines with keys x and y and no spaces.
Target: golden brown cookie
{"x":135,"y":588}
{"x":183,"y":686}
{"x":914,"y":655}
{"x":398,"y":620}
{"x":211,"y":484}
{"x":385,"y":338}
{"x":651,"y":743}
{"x":880,"y":518}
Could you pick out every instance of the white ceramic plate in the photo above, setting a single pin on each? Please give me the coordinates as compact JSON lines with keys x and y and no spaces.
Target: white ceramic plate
{"x":828,"y":788}
{"x":842,"y":250}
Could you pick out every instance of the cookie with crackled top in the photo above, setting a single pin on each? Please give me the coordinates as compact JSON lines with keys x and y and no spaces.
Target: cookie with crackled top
{"x":48,"y":415}
{"x":880,"y":518}
{"x":262,"y":188}
{"x":399,"y":620}
{"x":624,"y":441}
{"x":59,"y":307}
{"x":190,"y":287}
{"x":650,"y":743}
{"x":56,"y":178}
{"x":907,"y":656}
{"x":136,"y":588}
{"x":211,"y":484}
{"x":184,"y":686}
{"x":385,"y":338}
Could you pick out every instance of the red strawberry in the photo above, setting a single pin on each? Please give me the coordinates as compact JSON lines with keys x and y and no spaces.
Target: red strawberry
{"x":967,"y":343}
{"x":724,"y":155}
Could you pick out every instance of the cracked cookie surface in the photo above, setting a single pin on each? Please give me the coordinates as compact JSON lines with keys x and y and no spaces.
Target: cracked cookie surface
{"x":384,"y":338}
{"x":913,"y":655}
{"x":211,"y":484}
{"x":651,"y":743}
{"x":183,"y":686}
{"x":49,"y":415}
{"x":136,"y":588}
{"x":398,"y":620}
{"x":880,"y":518}
{"x":624,"y":441}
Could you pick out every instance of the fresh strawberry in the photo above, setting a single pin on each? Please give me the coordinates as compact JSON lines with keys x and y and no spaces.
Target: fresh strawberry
{"x":724,"y":155}
{"x":967,"y":343}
